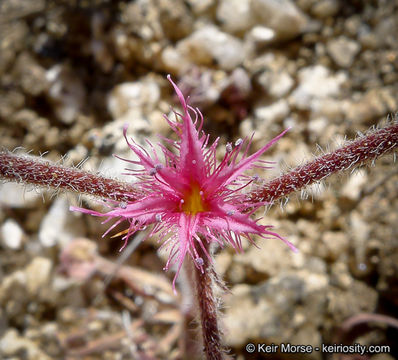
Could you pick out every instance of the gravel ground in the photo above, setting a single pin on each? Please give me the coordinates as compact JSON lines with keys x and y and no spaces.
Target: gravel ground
{"x":72,"y":73}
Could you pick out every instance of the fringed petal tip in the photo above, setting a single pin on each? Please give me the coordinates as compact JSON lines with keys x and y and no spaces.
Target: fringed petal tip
{"x":291,"y":246}
{"x":295,"y":250}
{"x":125,"y":127}
{"x":287,"y":242}
{"x":85,"y":211}
{"x":180,"y":95}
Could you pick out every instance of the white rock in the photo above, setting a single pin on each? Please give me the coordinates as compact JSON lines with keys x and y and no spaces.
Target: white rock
{"x":16,"y":196}
{"x":282,"y":16}
{"x":336,"y":243}
{"x":277,"y":84}
{"x":360,"y":231}
{"x":115,"y":168}
{"x":142,"y":95}
{"x":222,"y":263}
{"x":269,"y":257}
{"x":200,"y":6}
{"x":137,"y":126}
{"x":343,"y":51}
{"x":325,"y":8}
{"x":158,"y":125}
{"x":316,"y":82}
{"x":276,"y":299}
{"x":268,"y":115}
{"x":330,"y":108}
{"x":11,"y":234}
{"x":66,"y":92}
{"x":246,"y":127}
{"x":12,"y":345}
{"x":59,"y":226}
{"x":235,"y":15}
{"x":340,"y":275}
{"x":352,"y":188}
{"x":317,"y":126}
{"x":38,"y":274}
{"x":174,"y":61}
{"x":13,"y":289}
{"x":209,"y":44}
{"x":261,"y":34}
{"x":386,"y":29}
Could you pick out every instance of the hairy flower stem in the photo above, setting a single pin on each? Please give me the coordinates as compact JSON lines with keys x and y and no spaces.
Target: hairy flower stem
{"x":190,"y":347}
{"x":354,"y":154}
{"x":205,"y":282}
{"x":32,"y":170}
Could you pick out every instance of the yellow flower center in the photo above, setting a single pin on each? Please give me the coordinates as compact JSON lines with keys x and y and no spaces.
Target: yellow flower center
{"x":194,"y":201}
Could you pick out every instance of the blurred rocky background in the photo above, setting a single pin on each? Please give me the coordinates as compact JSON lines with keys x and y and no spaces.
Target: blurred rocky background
{"x":72,"y":73}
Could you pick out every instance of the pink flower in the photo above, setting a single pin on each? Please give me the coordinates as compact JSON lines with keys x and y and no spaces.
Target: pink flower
{"x":189,"y":198}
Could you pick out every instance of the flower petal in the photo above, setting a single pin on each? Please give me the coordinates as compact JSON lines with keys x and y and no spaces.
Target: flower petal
{"x":231,"y":172}
{"x":191,"y":162}
{"x":187,"y":228}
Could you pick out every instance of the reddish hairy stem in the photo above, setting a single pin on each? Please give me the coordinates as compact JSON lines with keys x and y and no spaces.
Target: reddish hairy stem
{"x":208,"y":311}
{"x":31,"y":170}
{"x":352,"y":155}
